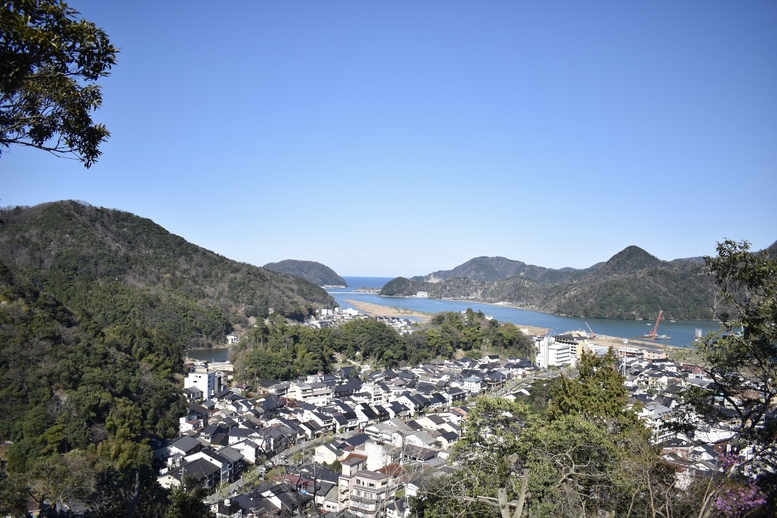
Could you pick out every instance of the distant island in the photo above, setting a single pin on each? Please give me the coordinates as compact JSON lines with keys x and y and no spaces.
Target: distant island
{"x":311,"y":271}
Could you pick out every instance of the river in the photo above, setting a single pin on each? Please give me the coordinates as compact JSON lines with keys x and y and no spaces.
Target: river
{"x":681,"y":331}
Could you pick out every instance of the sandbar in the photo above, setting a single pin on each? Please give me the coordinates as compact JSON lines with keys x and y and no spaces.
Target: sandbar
{"x":376,"y":310}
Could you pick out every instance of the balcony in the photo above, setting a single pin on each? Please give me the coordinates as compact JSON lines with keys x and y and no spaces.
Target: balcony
{"x":364,"y":504}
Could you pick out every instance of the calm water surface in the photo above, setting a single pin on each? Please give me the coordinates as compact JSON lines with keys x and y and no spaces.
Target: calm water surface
{"x":681,"y":331}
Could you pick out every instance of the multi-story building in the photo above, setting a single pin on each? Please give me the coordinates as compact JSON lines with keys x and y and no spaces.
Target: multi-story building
{"x":209,"y":383}
{"x":473,"y":384}
{"x":351,"y":465}
{"x":370,"y":492}
{"x":551,"y":353}
{"x":317,"y":394}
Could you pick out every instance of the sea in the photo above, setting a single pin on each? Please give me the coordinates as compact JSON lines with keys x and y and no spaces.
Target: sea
{"x":364,"y":289}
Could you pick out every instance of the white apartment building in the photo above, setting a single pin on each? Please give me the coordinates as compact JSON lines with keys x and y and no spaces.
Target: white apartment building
{"x":317,"y":394}
{"x":473,"y":385}
{"x":202,"y":380}
{"x":553,"y":354}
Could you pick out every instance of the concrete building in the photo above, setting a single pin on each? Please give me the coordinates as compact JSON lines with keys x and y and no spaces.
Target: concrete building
{"x":370,"y":492}
{"x":203,"y":381}
{"x":551,"y":353}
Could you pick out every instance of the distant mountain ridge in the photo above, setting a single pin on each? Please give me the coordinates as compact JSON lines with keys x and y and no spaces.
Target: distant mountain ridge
{"x":632,"y":284}
{"x":311,"y":271}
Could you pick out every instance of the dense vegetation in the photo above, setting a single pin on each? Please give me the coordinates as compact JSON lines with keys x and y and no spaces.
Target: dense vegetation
{"x":278,"y":350}
{"x":401,"y":287}
{"x":113,"y":266}
{"x":80,"y":400}
{"x":499,"y":268}
{"x":632,"y":284}
{"x":96,"y":308}
{"x":311,"y":271}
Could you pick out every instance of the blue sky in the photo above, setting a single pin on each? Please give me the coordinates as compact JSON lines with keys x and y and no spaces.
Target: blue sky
{"x":401,"y":138}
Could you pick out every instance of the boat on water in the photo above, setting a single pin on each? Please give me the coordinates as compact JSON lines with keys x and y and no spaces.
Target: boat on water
{"x":653,"y":334}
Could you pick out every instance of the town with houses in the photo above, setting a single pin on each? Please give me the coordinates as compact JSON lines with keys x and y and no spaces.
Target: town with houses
{"x":359,"y":442}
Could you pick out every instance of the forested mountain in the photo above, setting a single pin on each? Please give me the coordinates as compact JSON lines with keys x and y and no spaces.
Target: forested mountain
{"x":96,"y":308}
{"x":500,"y":268}
{"x":115,"y":266}
{"x":632,"y":284}
{"x":311,"y":271}
{"x":771,"y":252}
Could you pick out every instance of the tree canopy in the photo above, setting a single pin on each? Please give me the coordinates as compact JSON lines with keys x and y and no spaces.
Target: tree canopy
{"x":588,"y":454}
{"x":281,"y":350}
{"x":49,"y":64}
{"x":741,"y":359}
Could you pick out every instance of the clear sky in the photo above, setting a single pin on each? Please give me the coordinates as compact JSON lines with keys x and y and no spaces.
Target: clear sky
{"x":400,"y":138}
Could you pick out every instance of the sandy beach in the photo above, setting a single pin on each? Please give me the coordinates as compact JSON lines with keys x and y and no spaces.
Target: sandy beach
{"x":376,"y":310}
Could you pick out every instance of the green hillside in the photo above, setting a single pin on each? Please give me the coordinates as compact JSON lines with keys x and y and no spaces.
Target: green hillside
{"x":634,"y":284}
{"x":97,"y":307}
{"x":113,"y":266}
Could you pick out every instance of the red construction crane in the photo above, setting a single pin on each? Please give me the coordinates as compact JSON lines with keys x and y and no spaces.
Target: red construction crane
{"x":652,"y":334}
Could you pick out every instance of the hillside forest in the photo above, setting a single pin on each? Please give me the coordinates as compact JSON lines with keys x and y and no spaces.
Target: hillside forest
{"x":97,"y":307}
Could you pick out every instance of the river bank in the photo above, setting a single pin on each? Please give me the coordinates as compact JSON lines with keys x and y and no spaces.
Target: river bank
{"x":378,"y":310}
{"x":682,"y":332}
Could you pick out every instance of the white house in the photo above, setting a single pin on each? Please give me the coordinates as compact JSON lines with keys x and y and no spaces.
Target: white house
{"x":472,"y":384}
{"x":202,"y":380}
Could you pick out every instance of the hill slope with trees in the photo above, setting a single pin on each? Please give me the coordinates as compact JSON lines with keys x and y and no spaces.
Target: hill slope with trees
{"x":97,"y":307}
{"x":113,"y":265}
